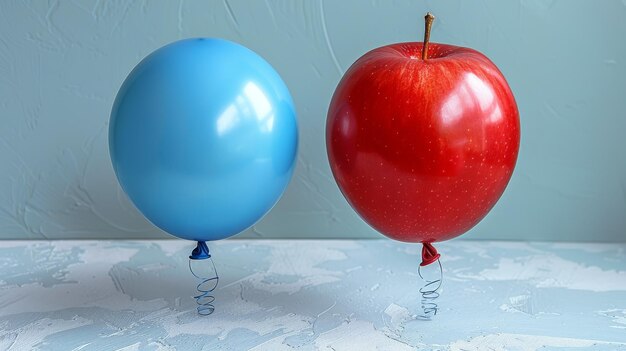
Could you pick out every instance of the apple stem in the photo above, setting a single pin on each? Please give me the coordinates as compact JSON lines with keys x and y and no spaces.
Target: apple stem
{"x":429,"y":18}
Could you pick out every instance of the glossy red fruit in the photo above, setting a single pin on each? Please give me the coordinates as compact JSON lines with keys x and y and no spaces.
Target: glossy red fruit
{"x":422,"y":149}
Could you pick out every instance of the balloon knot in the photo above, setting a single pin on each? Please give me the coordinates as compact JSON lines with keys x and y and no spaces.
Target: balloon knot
{"x":201,"y":252}
{"x":429,"y":254}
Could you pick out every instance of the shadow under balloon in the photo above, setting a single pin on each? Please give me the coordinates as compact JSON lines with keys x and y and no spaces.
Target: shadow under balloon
{"x":245,"y":287}
{"x":155,"y":280}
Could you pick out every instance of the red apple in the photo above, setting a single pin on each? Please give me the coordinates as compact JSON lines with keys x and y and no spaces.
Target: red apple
{"x":422,"y":139}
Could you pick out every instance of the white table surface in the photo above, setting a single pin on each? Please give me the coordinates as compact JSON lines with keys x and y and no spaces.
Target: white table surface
{"x":310,"y":295}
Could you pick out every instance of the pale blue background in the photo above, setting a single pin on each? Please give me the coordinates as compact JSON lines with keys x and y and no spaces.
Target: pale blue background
{"x":61,"y":63}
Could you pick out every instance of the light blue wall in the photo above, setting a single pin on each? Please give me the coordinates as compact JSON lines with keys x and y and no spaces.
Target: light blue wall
{"x":61,"y":63}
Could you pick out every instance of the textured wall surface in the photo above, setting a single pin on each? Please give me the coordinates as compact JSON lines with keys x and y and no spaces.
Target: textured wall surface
{"x":341,"y":295}
{"x":61,"y":63}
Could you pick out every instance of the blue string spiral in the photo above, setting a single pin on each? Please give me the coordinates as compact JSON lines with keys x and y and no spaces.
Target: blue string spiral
{"x":205,"y":298}
{"x":430,"y":293}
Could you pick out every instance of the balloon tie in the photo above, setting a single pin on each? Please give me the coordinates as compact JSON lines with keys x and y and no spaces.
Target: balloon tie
{"x":206,"y":285}
{"x":429,"y":254}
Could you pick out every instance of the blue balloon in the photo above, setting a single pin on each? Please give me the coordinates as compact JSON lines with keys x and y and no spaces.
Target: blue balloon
{"x":203,"y":138}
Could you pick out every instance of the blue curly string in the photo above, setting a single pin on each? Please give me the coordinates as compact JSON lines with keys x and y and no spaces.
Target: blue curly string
{"x":205,"y":298}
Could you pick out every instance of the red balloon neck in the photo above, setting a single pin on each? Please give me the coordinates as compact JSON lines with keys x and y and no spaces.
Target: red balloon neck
{"x":429,"y":254}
